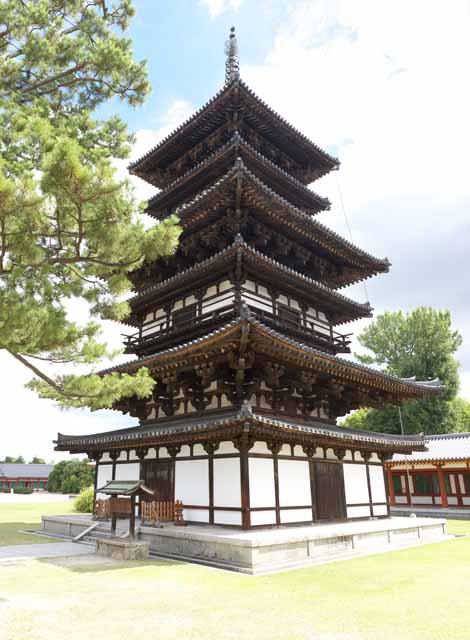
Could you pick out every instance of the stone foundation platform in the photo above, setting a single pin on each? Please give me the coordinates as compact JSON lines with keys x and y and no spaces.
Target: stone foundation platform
{"x":122,"y":550}
{"x":265,"y":550}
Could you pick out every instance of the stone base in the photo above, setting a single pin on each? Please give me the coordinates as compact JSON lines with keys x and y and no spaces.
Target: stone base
{"x":266,"y":550}
{"x":122,"y":550}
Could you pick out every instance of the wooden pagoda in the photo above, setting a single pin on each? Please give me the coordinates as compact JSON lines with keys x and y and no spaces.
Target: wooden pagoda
{"x":241,"y":330}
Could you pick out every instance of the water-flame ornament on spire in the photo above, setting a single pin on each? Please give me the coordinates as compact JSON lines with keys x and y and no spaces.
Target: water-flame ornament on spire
{"x":232,"y":64}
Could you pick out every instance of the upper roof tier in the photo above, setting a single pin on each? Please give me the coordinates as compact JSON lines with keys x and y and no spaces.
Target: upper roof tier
{"x":208,"y":171}
{"x":236,"y":108}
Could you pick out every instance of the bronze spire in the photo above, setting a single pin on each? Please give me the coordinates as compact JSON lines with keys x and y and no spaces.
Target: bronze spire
{"x":232,"y":63}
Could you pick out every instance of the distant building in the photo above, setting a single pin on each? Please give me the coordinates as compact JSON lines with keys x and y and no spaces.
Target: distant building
{"x":439,"y":476}
{"x":34,"y":476}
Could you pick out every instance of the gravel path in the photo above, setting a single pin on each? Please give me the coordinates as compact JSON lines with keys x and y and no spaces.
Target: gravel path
{"x":47,"y":550}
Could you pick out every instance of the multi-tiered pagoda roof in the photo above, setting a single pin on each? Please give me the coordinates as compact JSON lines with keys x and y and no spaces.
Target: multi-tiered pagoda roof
{"x":244,"y":317}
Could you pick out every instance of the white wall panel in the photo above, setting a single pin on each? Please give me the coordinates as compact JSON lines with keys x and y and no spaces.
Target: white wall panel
{"x":294,"y":483}
{"x":452,"y":500}
{"x":227,"y":487}
{"x":422,"y":500}
{"x":198,"y":450}
{"x":163,"y":453}
{"x":152,"y":454}
{"x":226,"y":447}
{"x":105,"y":474}
{"x":285,"y":450}
{"x":261,"y":472}
{"x":298,"y":451}
{"x":400,"y":499}
{"x":355,"y":483}
{"x":184,"y":452}
{"x":128,"y":471}
{"x":122,"y":456}
{"x":262,"y":517}
{"x":377,"y":483}
{"x":358,"y":512}
{"x":192,"y":482}
{"x":466,"y":500}
{"x":295,"y":515}
{"x":380,"y":510}
{"x":133,"y":455}
{"x":260,"y":447}
{"x":228,"y":517}
{"x":196,"y":515}
{"x":105,"y":457}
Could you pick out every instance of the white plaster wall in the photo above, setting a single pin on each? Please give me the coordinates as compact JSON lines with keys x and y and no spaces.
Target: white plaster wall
{"x":228,"y":517}
{"x":192,"y":482}
{"x":105,"y":457}
{"x":294,"y":483}
{"x":227,"y":486}
{"x":123,"y":456}
{"x":285,"y":450}
{"x":128,"y":471}
{"x":152,"y":454}
{"x":400,"y":499}
{"x":347,"y":456}
{"x":185,"y":451}
{"x":196,"y":515}
{"x":355,"y":483}
{"x":377,"y":483}
{"x":133,"y":455}
{"x":422,"y":500}
{"x":379,"y":510}
{"x":263,"y":517}
{"x":163,"y":453}
{"x":358,"y":512}
{"x":105,"y":474}
{"x":296,"y":515}
{"x":298,"y":451}
{"x":330,"y":455}
{"x":226,"y":447}
{"x":466,"y":500}
{"x":261,"y":471}
{"x":260,"y":447}
{"x":198,"y":450}
{"x":452,"y":500}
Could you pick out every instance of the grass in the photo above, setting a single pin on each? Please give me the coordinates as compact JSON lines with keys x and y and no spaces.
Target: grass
{"x":15,"y":517}
{"x":412,"y":594}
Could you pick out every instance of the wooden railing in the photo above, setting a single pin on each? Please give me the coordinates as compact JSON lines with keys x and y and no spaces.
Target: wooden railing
{"x":102,"y":509}
{"x":161,"y":511}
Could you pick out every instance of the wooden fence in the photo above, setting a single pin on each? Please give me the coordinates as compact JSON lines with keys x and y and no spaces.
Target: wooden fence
{"x":162,"y":511}
{"x":150,"y":511}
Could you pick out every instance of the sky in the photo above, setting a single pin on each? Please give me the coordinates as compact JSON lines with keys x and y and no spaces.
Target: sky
{"x":382,"y":85}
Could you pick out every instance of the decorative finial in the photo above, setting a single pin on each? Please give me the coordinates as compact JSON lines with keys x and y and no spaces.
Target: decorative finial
{"x":232,"y":64}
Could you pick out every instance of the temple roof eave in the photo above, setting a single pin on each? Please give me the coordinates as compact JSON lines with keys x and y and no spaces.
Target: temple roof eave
{"x":173,"y":430}
{"x":340,"y":368}
{"x":310,"y":199}
{"x":351,"y":309}
{"x":162,"y":149}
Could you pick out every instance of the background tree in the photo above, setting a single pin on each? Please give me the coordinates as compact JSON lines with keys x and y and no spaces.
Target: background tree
{"x":70,"y":476}
{"x":422,"y":344}
{"x":37,"y":460}
{"x":69,"y":231}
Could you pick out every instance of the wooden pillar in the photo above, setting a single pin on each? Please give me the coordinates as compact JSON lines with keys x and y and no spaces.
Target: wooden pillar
{"x":310,"y":452}
{"x":442,"y":487}
{"x":367,"y":456}
{"x":391,"y":488}
{"x":210,"y":448}
{"x":132,"y":519}
{"x":275,"y":447}
{"x":244,"y":444}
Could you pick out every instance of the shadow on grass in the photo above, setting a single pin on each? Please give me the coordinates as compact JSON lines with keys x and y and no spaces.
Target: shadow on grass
{"x":21,"y":533}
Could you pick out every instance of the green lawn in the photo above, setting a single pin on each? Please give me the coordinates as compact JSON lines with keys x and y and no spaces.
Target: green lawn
{"x":418,"y":593}
{"x":19,"y":516}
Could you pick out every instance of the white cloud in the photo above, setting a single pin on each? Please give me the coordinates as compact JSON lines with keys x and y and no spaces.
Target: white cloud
{"x":383,"y":86}
{"x":218,"y":7}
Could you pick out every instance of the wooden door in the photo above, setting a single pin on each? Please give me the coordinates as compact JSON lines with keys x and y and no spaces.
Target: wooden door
{"x":159,"y":475}
{"x":329,"y":491}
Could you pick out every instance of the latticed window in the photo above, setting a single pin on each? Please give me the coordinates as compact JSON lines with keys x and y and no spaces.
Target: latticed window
{"x":185,"y":316}
{"x":397,"y":483}
{"x":426,"y":483}
{"x":289,"y":316}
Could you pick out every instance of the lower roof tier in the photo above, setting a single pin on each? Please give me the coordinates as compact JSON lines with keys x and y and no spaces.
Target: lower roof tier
{"x":245,"y":360}
{"x":241,"y":426}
